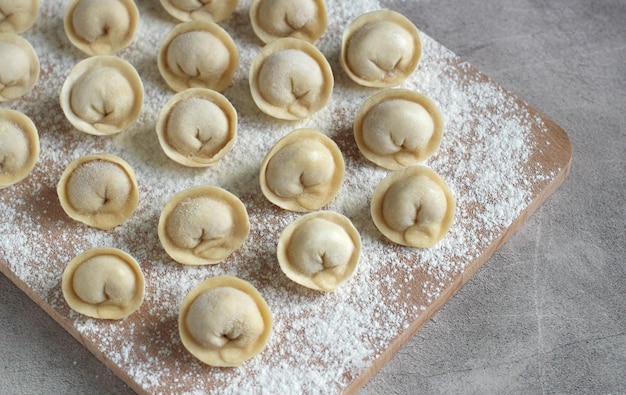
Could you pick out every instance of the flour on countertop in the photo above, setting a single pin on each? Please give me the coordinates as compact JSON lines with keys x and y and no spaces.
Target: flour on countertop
{"x":321,"y":342}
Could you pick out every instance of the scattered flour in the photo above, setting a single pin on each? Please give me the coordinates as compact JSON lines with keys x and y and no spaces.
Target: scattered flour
{"x":321,"y":342}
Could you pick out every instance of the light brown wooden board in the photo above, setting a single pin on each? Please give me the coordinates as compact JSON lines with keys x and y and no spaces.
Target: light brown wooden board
{"x":147,"y":340}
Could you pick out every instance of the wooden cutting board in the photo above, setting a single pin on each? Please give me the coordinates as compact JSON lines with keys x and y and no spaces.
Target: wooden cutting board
{"x":501,"y":157}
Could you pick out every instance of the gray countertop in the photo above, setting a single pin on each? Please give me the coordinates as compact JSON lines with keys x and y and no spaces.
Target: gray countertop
{"x":547,"y":313}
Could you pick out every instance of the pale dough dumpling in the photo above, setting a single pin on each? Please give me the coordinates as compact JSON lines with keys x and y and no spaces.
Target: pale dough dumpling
{"x":200,"y":10}
{"x":303,"y":171}
{"x":319,"y":250}
{"x":290,"y":79}
{"x":101,"y":27}
{"x":224,"y":321}
{"x":198,"y":55}
{"x":19,"y":147}
{"x":413,"y":207}
{"x":103,"y":283}
{"x":197,"y":127}
{"x":203,"y":225}
{"x":380,"y":49}
{"x":274,"y":19}
{"x":396,"y":128}
{"x":98,"y":190}
{"x":19,"y":67}
{"x":102,"y":95}
{"x":17,"y":16}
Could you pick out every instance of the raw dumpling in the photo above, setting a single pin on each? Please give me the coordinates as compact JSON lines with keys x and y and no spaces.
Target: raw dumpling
{"x":103,"y":283}
{"x":290,"y":79}
{"x":397,"y":128}
{"x":102,"y":95}
{"x":303,"y":171}
{"x":99,"y":190}
{"x":101,"y":27}
{"x":19,"y":67}
{"x":17,"y":16}
{"x":380,"y":49}
{"x":197,"y":127}
{"x":224,"y":321}
{"x":19,"y":147}
{"x":203,"y":225}
{"x":200,"y":10}
{"x":274,"y":19}
{"x":319,"y":250}
{"x":413,"y":207}
{"x":198,"y":55}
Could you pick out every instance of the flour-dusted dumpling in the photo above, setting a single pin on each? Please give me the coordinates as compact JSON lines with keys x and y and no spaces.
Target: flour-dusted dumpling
{"x":203,"y":225}
{"x":274,"y":19}
{"x":101,"y":27}
{"x":380,"y":49}
{"x":102,"y":95}
{"x":19,"y":147}
{"x":17,"y":16}
{"x":290,"y":79}
{"x":396,"y":128}
{"x":319,"y":250}
{"x":197,"y":127}
{"x":200,"y":10}
{"x":303,"y":171}
{"x":224,"y":321}
{"x":413,"y":207}
{"x":198,"y":55}
{"x":103,"y":283}
{"x":99,"y":190}
{"x":19,"y":67}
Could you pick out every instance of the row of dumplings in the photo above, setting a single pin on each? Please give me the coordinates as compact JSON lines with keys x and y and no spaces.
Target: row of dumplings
{"x":223,"y":321}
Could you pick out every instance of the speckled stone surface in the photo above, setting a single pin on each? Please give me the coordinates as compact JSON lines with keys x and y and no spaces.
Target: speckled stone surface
{"x":547,"y":313}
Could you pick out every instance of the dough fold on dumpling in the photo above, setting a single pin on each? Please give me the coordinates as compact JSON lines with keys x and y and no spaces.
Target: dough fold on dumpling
{"x":290,"y":79}
{"x":380,"y":49}
{"x":413,"y":207}
{"x":319,"y":250}
{"x":19,"y":67}
{"x":397,"y":128}
{"x":102,"y":95}
{"x":200,"y":10}
{"x":303,"y":171}
{"x":103,"y":283}
{"x":203,"y":225}
{"x":101,"y":27}
{"x":19,"y":147}
{"x":198,"y":55}
{"x":17,"y":16}
{"x":302,"y":19}
{"x":224,"y":321}
{"x":99,"y":190}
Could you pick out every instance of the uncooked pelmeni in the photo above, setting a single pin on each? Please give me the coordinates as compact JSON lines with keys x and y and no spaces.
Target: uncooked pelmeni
{"x":17,"y":16}
{"x":274,"y":19}
{"x":203,"y":225}
{"x":101,"y":27}
{"x":200,"y":10}
{"x":19,"y":147}
{"x":319,"y":250}
{"x":19,"y":67}
{"x":290,"y":79}
{"x":104,"y":283}
{"x":380,"y":49}
{"x":396,"y":128}
{"x":224,"y":321}
{"x":303,"y":171}
{"x":98,"y":190}
{"x":413,"y":207}
{"x":197,"y":127}
{"x":198,"y":55}
{"x":102,"y":95}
